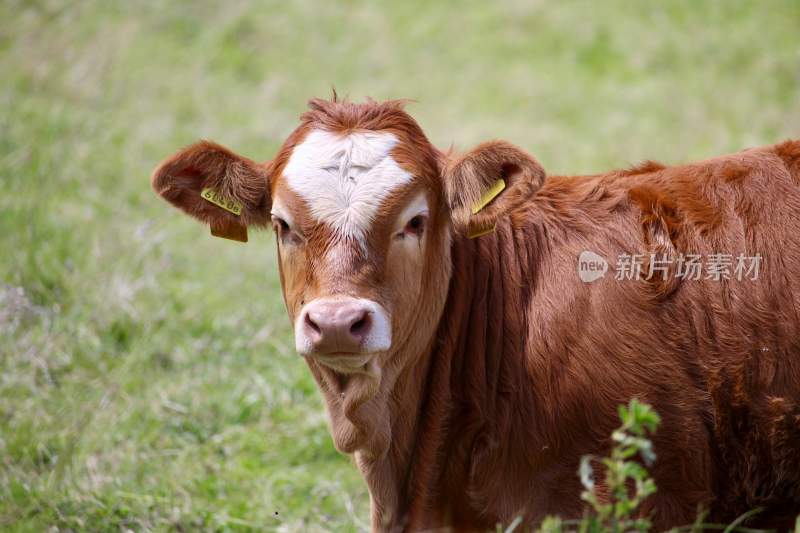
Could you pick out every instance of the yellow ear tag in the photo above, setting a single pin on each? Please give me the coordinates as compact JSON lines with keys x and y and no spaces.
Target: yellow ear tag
{"x":227,"y":230}
{"x":477,"y":232}
{"x":232,"y":206}
{"x":489,"y":195}
{"x":230,"y":230}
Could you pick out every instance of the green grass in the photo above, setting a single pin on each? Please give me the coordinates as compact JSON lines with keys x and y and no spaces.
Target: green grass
{"x":147,"y":378}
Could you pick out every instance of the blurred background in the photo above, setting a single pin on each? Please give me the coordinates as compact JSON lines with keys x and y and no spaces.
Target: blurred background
{"x":147,"y":372}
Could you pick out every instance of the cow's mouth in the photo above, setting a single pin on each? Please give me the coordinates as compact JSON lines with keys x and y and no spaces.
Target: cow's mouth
{"x":345,"y":363}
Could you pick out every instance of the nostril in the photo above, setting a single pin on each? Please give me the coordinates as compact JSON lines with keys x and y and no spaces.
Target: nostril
{"x":360,"y":326}
{"x":311,"y":324}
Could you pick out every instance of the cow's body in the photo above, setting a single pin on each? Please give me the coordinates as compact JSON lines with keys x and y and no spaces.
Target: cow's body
{"x":531,"y":362}
{"x":503,"y":367}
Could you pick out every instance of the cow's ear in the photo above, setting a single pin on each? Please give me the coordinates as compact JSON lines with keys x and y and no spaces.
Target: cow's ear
{"x":487,"y":182}
{"x":216,"y":186}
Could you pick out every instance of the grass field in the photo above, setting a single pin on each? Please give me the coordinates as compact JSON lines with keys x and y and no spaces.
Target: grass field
{"x":147,"y":373}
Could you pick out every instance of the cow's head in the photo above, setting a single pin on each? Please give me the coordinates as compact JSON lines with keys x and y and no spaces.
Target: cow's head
{"x":364,"y":209}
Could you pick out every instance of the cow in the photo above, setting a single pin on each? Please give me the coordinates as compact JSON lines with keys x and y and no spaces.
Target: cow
{"x":473,"y":322}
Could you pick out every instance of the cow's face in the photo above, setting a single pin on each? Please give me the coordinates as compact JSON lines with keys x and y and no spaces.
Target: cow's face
{"x":363,"y":208}
{"x":360,"y":226}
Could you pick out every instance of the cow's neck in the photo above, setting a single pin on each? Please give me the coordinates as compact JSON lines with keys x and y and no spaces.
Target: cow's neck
{"x":467,"y":383}
{"x":475,"y":370}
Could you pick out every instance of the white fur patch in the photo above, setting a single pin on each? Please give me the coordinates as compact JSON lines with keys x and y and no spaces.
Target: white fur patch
{"x":345,"y":178}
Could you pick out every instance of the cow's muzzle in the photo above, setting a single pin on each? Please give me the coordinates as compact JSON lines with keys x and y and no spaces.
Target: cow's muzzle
{"x":342,"y":332}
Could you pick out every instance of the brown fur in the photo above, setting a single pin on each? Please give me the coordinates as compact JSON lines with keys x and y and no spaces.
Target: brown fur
{"x":468,"y":176}
{"x":505,"y":368}
{"x":180,"y":179}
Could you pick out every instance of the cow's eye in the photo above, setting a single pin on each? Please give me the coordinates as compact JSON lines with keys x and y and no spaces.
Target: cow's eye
{"x":284,"y":231}
{"x":279,"y":224}
{"x":415,"y":226}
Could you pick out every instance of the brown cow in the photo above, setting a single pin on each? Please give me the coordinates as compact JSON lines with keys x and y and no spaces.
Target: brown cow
{"x":469,"y":375}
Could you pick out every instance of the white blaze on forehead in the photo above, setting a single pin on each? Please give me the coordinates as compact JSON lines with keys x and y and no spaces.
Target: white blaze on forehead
{"x":344,"y":178}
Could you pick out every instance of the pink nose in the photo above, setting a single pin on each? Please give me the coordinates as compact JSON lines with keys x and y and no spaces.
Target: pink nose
{"x":336,"y":326}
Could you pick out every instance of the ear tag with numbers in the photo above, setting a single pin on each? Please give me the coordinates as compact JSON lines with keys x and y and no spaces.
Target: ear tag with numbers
{"x":232,"y":206}
{"x":226,"y":229}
